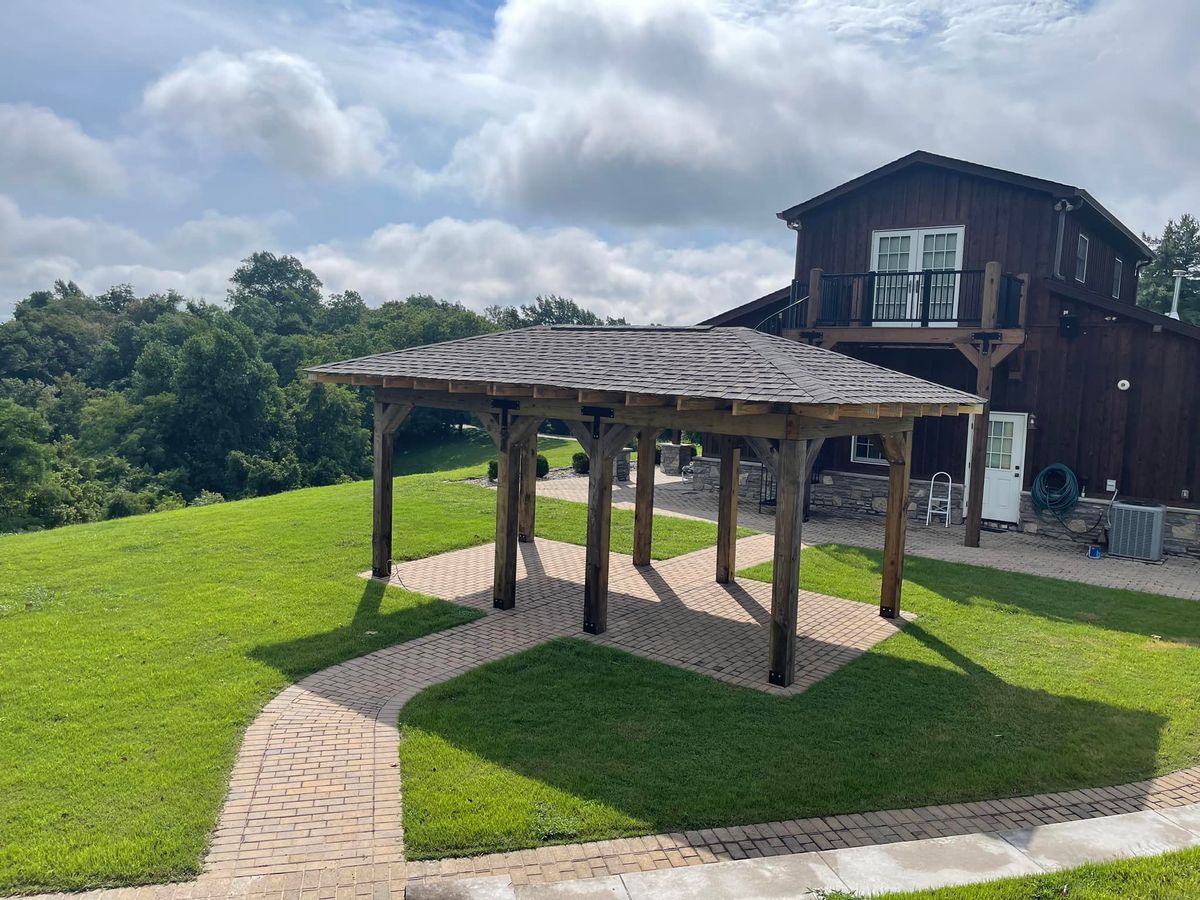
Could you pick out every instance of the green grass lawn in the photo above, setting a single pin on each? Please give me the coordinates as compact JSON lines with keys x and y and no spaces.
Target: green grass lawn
{"x":1005,"y":685}
{"x":135,"y":652}
{"x":1175,"y":876}
{"x":470,"y":449}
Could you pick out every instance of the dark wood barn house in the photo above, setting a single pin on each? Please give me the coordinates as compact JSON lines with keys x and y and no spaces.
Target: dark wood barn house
{"x":1018,"y":289}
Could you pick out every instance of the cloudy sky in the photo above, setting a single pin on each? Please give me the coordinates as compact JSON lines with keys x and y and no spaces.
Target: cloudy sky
{"x":628,"y":153}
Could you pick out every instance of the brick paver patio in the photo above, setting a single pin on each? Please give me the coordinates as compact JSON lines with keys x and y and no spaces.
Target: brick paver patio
{"x":314,"y":804}
{"x":1011,"y":551}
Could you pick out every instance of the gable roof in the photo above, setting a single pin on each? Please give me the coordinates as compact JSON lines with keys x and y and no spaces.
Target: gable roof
{"x":716,"y":363}
{"x":1055,"y":189}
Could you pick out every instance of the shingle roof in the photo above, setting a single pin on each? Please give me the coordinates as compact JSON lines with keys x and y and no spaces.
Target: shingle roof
{"x":718,"y":363}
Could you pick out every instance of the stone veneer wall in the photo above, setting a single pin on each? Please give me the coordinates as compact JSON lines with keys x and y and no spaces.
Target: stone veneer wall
{"x":675,"y":456}
{"x":859,"y":493}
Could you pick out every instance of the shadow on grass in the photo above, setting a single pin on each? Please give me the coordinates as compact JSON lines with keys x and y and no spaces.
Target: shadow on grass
{"x":1085,"y":604}
{"x":669,"y":750}
{"x":368,"y":630}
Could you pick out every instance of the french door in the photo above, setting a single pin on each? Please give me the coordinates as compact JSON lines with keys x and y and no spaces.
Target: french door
{"x":900,"y":258}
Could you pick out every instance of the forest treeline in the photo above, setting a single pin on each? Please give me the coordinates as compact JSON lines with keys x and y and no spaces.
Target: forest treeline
{"x":117,"y":404}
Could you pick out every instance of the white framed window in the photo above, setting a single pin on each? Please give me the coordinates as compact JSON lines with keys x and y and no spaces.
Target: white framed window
{"x":1118,"y":274}
{"x":1081,"y":254}
{"x":865,"y":450}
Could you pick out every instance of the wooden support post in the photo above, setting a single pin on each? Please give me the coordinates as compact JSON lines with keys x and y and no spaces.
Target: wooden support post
{"x":785,"y":583}
{"x":727,"y":499}
{"x":508,"y":495}
{"x":897,"y":447}
{"x":388,"y":417}
{"x":990,"y":308}
{"x":527,"y":513}
{"x":813,"y":307}
{"x":510,"y":441}
{"x":810,"y":462}
{"x":600,"y":451}
{"x":643,"y":511}
{"x":983,"y":387}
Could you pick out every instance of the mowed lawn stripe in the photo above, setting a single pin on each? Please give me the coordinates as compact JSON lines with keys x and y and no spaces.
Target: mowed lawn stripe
{"x":136,"y":651}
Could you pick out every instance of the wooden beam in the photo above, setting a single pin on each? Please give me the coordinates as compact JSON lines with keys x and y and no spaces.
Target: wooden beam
{"x":828,"y":411}
{"x":860,"y":334}
{"x":1001,"y":352}
{"x":969,"y":351}
{"x":601,"y":397}
{"x":716,"y":421}
{"x":527,"y":511}
{"x":366,"y":380}
{"x":767,"y":453}
{"x":468,"y":387}
{"x":648,"y":400}
{"x":898,"y":450}
{"x":390,"y":381}
{"x":388,"y":417}
{"x":542,"y":391}
{"x":508,"y":497}
{"x":949,"y":409}
{"x":328,"y":378}
{"x":599,"y":527}
{"x":509,"y":390}
{"x":785,"y":581}
{"x":969,"y":409}
{"x":860,"y":410}
{"x":697,"y":403}
{"x":727,"y":498}
{"x":931,"y":409}
{"x":810,"y":462}
{"x":643,"y":510}
{"x":891,"y":410}
{"x":748,"y":408}
{"x":431,"y":384}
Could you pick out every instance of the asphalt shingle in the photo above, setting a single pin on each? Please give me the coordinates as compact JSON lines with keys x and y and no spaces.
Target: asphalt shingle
{"x":711,"y":362}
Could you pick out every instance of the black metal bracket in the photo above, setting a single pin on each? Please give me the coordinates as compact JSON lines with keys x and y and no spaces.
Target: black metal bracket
{"x":597,"y":413}
{"x":776,"y":678}
{"x":986,"y":338}
{"x":813,"y":337}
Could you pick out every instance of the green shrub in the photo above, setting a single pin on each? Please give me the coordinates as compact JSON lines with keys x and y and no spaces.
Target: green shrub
{"x":493,"y":469}
{"x":543,"y":466}
{"x":580,"y":463}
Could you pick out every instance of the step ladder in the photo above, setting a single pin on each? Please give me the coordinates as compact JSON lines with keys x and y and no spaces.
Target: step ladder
{"x":939,"y":504}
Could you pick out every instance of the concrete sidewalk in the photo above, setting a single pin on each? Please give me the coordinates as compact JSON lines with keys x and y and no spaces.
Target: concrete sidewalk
{"x":869,"y":870}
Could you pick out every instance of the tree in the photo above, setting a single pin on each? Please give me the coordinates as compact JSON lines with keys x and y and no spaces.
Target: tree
{"x":275,"y":293}
{"x":1177,"y":248}
{"x":228,"y":400}
{"x":549,"y":310}
{"x":24,"y":460}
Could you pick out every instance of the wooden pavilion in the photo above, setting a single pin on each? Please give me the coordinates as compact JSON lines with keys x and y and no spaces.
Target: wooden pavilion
{"x":748,"y":389}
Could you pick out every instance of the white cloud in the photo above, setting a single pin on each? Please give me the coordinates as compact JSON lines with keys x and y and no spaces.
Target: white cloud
{"x":196,"y":258}
{"x":485,"y":262}
{"x":684,"y":111}
{"x":478,"y":263}
{"x":39,"y":147}
{"x":276,"y":105}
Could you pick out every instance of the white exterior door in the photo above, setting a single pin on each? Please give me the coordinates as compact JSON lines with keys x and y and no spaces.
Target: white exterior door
{"x":1004,"y":461}
{"x":897,"y":300}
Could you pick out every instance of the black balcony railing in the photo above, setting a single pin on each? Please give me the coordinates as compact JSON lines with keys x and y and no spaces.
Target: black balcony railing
{"x":949,"y":297}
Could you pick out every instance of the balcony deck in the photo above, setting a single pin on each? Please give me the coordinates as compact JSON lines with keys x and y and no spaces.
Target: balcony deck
{"x":940,"y":307}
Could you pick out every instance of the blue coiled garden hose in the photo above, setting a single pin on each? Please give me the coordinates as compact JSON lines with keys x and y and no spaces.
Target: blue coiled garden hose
{"x":1059,"y":499}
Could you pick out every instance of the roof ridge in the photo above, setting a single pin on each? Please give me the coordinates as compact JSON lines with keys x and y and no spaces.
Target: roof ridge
{"x":770,"y":357}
